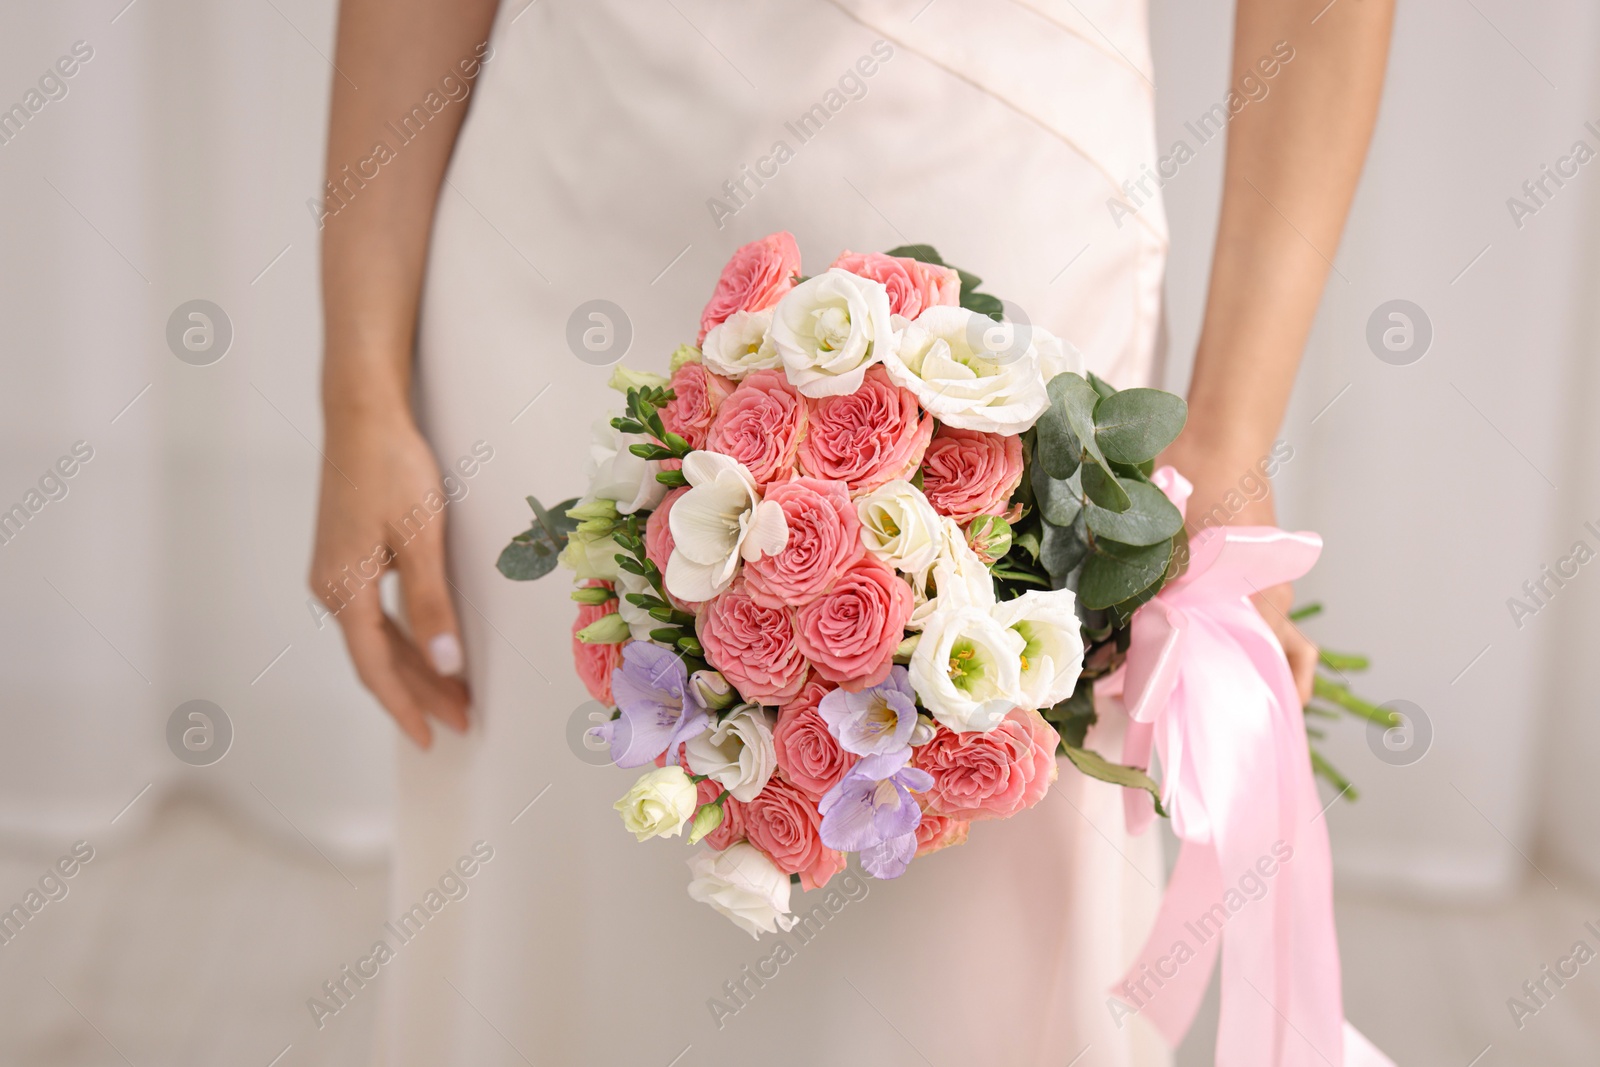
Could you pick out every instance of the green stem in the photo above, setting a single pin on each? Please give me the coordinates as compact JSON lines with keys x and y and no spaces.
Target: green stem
{"x":1334,"y":693}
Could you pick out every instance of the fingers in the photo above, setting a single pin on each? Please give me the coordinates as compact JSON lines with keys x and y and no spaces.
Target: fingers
{"x":377,"y":650}
{"x":1274,"y":605}
{"x":435,"y":631}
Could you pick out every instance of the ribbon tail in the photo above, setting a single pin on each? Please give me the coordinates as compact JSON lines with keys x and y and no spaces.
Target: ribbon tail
{"x":1169,"y":978}
{"x":1359,"y":1052}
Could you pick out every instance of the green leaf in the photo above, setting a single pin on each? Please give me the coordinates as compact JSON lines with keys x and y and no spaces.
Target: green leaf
{"x":1060,"y":499}
{"x":1074,"y":715}
{"x":1101,"y":386}
{"x":672,"y":479}
{"x":1149,"y":519}
{"x":1102,"y":487}
{"x":532,"y":553}
{"x":1134,"y":425}
{"x":1061,"y":549}
{"x":983,"y":304}
{"x":1116,"y":572}
{"x":1027,"y":541}
{"x":920,"y":253}
{"x":1097,"y":766}
{"x":1057,"y":447}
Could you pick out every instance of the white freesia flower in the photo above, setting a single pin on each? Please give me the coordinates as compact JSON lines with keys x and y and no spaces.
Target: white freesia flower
{"x":900,"y":527}
{"x":1052,"y":654}
{"x":1056,"y":356}
{"x":743,"y":884}
{"x":720,"y":520}
{"x":830,"y":329}
{"x":957,"y":576}
{"x":969,"y":371}
{"x":967,"y":668}
{"x":737,"y":753}
{"x":740,"y":344}
{"x":659,"y":803}
{"x":617,"y":474}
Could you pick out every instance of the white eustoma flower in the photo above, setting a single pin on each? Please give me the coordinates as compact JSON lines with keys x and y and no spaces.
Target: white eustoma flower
{"x":743,"y":884}
{"x":740,"y":344}
{"x":957,"y":575}
{"x":969,"y":371}
{"x":591,"y":558}
{"x":1052,"y":654}
{"x":737,"y":753}
{"x":829,"y":329}
{"x":617,"y":474}
{"x":1056,"y":356}
{"x":659,"y":803}
{"x":720,"y":520}
{"x":900,"y":527}
{"x":967,"y":668}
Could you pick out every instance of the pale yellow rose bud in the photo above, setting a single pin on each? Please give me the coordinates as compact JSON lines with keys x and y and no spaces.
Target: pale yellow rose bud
{"x":706,"y":820}
{"x":622,"y":379}
{"x":681,"y":355}
{"x":659,"y":804}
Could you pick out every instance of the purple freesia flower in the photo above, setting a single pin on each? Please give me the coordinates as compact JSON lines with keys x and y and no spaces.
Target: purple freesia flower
{"x":872,"y":811}
{"x":877,"y":720}
{"x":659,"y":707}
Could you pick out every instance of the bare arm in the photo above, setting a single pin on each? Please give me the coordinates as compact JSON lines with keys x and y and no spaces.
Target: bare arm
{"x":390,"y":55}
{"x":1292,"y":166}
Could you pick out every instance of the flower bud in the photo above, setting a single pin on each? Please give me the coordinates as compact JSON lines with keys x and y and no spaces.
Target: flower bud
{"x":989,"y":537}
{"x":592,"y":509}
{"x":658,"y":804}
{"x":592,"y":594}
{"x":902,"y":652}
{"x":610,"y":629}
{"x":622,"y":379}
{"x":681,"y":355}
{"x":713,"y":690}
{"x":707,"y":819}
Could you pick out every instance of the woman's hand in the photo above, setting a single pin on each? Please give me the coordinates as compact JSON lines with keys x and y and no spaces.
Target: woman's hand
{"x":1232,"y":493}
{"x":373,"y":515}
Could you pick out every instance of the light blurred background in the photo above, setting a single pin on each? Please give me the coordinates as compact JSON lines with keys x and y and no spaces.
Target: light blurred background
{"x":177,"y":167}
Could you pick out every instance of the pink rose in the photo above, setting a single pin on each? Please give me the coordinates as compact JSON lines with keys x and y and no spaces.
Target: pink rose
{"x":990,"y":775}
{"x":867,"y":437}
{"x":968,"y":473}
{"x":939,"y":831}
{"x":731,"y":830}
{"x":783,"y":822}
{"x":760,"y":424}
{"x":824,"y":539}
{"x":808,"y":755}
{"x":658,"y":540}
{"x":850,"y":632}
{"x":699,"y":394}
{"x":595,"y":662}
{"x":755,"y":278}
{"x":754,"y":647}
{"x":913,"y":285}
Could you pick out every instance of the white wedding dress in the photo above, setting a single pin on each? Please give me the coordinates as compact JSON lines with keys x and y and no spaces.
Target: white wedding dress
{"x":621,"y":151}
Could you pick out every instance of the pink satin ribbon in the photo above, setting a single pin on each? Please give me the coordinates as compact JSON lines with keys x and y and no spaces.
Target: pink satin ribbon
{"x":1207,"y":685}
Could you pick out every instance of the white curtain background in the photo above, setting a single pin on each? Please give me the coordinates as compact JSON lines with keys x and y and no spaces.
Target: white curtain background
{"x":178,"y":166}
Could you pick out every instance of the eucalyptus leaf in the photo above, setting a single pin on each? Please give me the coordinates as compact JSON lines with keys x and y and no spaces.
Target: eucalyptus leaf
{"x":1134,"y":425}
{"x":1097,"y":766}
{"x":1074,"y":715}
{"x":1077,"y":399}
{"x":1059,"y":499}
{"x":1101,"y":386}
{"x":1117,"y":572}
{"x":1149,"y":519}
{"x":533,"y":553}
{"x":1057,"y":447}
{"x":1102,"y":487}
{"x":1061,"y":549}
{"x":921,"y":253}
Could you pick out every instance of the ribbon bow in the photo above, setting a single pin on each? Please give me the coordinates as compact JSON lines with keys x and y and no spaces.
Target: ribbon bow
{"x":1207,"y":684}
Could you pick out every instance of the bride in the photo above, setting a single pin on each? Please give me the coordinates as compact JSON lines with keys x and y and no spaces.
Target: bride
{"x":493,"y":173}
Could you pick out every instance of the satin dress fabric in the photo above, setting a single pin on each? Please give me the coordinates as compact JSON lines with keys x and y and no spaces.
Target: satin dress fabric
{"x":620,"y":152}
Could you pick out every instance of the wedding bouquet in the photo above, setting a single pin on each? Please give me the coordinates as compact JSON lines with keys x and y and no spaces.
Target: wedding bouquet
{"x":849,"y":572}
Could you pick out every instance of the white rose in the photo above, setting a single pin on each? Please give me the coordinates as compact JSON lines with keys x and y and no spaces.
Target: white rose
{"x":737,"y":753}
{"x":743,"y":884}
{"x":830,"y":329}
{"x":1052,"y":654}
{"x":900,"y":527}
{"x":740,"y":344}
{"x":720,"y":520}
{"x":967,"y":668}
{"x":970,"y":371}
{"x":659,"y":803}
{"x":617,"y":474}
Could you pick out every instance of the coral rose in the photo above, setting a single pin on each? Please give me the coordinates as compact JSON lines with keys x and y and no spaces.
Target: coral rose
{"x":967,"y":473}
{"x":939,"y":831}
{"x":850,"y":632}
{"x":990,"y":775}
{"x":756,"y":277}
{"x":783,"y":822}
{"x":698,"y":395}
{"x":760,"y":424}
{"x":865,"y":438}
{"x":912,"y":284}
{"x":731,"y":830}
{"x":595,"y":662}
{"x":824,"y":539}
{"x":755,"y":647}
{"x":808,"y":754}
